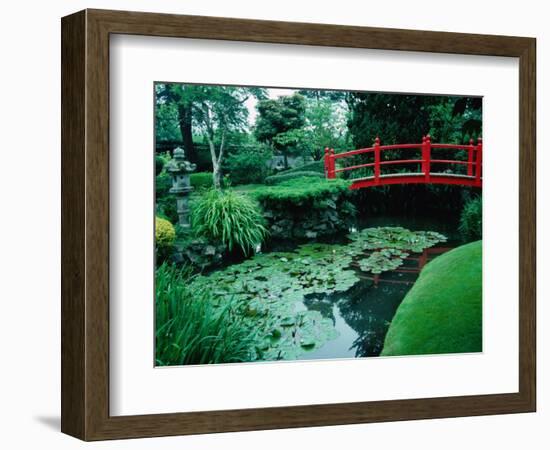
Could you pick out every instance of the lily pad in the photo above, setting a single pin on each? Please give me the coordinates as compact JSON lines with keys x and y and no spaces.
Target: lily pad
{"x":271,"y":288}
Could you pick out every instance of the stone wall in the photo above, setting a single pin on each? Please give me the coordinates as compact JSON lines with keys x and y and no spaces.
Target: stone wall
{"x":331,"y":216}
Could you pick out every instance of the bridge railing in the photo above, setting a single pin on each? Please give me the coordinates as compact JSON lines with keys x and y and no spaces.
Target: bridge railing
{"x":473,"y":163}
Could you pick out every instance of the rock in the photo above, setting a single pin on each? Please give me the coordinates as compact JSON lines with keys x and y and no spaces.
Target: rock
{"x":309,"y":221}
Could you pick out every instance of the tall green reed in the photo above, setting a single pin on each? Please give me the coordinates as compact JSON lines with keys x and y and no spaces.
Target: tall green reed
{"x":191,"y":328}
{"x":230,"y":217}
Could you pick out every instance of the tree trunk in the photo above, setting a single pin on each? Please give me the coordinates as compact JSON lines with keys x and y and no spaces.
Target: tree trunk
{"x":216,"y":162}
{"x":217,"y":176}
{"x":186,"y":129}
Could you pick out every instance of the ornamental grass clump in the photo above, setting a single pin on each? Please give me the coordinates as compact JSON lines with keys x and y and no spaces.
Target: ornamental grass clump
{"x":231,"y":218}
{"x":192,"y":328}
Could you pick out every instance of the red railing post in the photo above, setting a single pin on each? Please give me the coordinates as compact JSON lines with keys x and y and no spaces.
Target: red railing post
{"x":426,"y":150}
{"x":332,"y":164}
{"x":377,"y":160}
{"x":471,"y":158}
{"x":423,"y":154}
{"x":326,"y":160}
{"x":479,"y":149}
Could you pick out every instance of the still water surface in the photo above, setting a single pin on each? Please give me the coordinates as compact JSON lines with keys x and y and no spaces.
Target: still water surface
{"x":363,"y":314}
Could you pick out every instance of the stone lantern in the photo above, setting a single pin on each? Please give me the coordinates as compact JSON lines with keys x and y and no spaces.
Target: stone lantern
{"x":179,"y":169}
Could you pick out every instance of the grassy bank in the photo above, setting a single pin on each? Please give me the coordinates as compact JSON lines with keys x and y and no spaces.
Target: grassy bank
{"x":442,"y":313}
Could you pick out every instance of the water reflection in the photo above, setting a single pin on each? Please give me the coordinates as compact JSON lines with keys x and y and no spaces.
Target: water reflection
{"x":363,"y":314}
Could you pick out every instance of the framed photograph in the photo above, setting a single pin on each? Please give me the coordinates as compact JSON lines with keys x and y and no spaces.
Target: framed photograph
{"x":271,"y":225}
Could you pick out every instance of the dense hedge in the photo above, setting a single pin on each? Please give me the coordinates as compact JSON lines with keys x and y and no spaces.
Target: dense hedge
{"x":314,"y":166}
{"x":201,"y":180}
{"x":300,"y":191}
{"x":159,"y":164}
{"x":163,"y":183}
{"x":307,"y":207}
{"x":471,"y":219}
{"x":282,"y":177}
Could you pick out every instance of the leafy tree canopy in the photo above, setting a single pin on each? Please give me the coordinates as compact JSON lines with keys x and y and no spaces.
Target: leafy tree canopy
{"x":279,"y":116}
{"x":406,"y":118}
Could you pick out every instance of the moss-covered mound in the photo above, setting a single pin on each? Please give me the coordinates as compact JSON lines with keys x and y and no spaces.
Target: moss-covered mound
{"x":442,"y":313}
{"x":306,"y":207}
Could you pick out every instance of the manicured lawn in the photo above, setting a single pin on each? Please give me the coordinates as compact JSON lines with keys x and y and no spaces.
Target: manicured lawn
{"x":442,"y":313}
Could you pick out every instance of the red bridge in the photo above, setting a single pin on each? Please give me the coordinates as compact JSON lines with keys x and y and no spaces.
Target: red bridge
{"x":472,"y":176}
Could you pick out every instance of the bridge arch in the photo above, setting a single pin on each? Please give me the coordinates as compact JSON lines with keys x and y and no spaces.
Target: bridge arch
{"x":425,"y":175}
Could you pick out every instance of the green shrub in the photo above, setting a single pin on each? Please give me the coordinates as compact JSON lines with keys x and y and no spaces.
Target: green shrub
{"x":201,"y":180}
{"x":163,"y":183}
{"x":282,"y":177}
{"x":306,"y":207}
{"x":301,"y":190}
{"x":471,"y":219}
{"x":165,"y":234}
{"x":159,"y":164}
{"x":191,"y":328}
{"x":231,"y":218}
{"x":166,"y":208}
{"x":314,"y":166}
{"x":248,"y":167}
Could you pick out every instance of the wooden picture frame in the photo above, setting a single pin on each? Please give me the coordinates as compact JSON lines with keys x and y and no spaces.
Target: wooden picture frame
{"x":85,"y":224}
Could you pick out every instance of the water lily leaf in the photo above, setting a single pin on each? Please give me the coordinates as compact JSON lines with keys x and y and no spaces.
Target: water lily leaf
{"x":271,"y":287}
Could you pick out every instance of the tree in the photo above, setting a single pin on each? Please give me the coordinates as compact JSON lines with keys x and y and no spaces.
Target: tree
{"x":393,"y":118}
{"x":326,"y":125}
{"x":399,"y":119}
{"x":335,"y":96}
{"x":177,"y":99}
{"x":279,"y":123}
{"x":217,"y":111}
{"x":166,"y":121}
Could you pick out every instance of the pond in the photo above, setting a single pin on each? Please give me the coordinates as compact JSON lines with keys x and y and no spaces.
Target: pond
{"x":329,"y":300}
{"x":362,"y":314}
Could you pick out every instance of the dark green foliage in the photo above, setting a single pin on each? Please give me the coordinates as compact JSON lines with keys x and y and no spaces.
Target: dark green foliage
{"x":470,"y":109}
{"x":163,"y":183}
{"x":166,"y":118}
{"x":314,"y":166}
{"x":229,"y":217}
{"x":201,"y":180}
{"x":159,"y":164}
{"x":192,"y":327}
{"x":166,"y":208}
{"x":279,"y":115}
{"x":400,"y":119}
{"x":282,"y":177}
{"x":394,"y":118}
{"x":164,"y":201}
{"x":471,"y":219}
{"x":306,"y":207}
{"x":248,"y":166}
{"x":280,"y":123}
{"x":301,"y":191}
{"x":455,"y":120}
